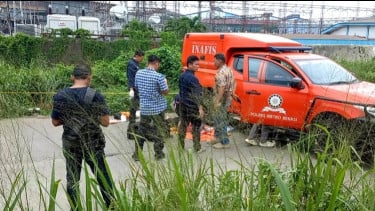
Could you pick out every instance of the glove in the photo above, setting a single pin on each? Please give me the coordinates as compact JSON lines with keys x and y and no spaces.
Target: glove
{"x":131,"y":94}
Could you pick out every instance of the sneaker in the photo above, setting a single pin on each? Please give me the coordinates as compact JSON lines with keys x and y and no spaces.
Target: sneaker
{"x":251,"y":142}
{"x":200,"y":150}
{"x":221,"y":146}
{"x":159,"y":156}
{"x":135,"y":157}
{"x":267,"y":144}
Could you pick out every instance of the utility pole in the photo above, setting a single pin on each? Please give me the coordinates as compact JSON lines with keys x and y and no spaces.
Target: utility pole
{"x":321,"y":19}
{"x":310,"y":18}
{"x":9,"y":19}
{"x":14,"y":17}
{"x":243,"y":19}
{"x":212,"y":15}
{"x":199,"y":9}
{"x":22,"y":20}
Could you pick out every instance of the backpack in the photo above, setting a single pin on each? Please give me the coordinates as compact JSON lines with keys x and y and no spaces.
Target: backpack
{"x":84,"y":127}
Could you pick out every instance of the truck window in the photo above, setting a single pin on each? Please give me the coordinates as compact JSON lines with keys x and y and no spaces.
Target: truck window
{"x":238,"y":64}
{"x":254,"y":65}
{"x":277,"y":75}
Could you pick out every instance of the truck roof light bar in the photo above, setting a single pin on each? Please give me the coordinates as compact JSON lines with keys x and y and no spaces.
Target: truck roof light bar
{"x":280,"y":49}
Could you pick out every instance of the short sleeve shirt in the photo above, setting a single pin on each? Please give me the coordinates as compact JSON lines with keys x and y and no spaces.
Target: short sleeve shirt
{"x":150,"y":85}
{"x":69,"y":106}
{"x":224,"y":77}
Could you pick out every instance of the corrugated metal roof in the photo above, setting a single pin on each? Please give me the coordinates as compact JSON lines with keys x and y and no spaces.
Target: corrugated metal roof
{"x":326,"y":39}
{"x":322,"y":36}
{"x":341,"y":25}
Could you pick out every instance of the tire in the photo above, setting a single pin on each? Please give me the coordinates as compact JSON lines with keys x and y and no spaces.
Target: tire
{"x":328,"y":130}
{"x":332,"y":132}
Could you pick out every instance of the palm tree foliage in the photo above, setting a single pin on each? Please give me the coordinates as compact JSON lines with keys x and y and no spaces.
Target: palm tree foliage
{"x":184,"y":25}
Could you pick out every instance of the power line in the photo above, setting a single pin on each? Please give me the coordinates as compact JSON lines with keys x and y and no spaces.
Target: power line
{"x":318,"y":15}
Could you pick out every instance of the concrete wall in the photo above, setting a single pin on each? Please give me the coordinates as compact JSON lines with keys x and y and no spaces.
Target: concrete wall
{"x":350,"y":53}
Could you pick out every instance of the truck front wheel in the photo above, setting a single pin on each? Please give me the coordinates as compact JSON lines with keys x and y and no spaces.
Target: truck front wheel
{"x":332,"y":133}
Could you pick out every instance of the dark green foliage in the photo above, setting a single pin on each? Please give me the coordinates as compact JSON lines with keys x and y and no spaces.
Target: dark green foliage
{"x":21,"y":50}
{"x":170,"y":63}
{"x":184,"y":25}
{"x":170,"y":39}
{"x":138,"y":34}
{"x":82,"y":33}
{"x":110,"y":78}
{"x":362,"y":69}
{"x":94,"y":50}
{"x":64,"y":32}
{"x":24,"y":88}
{"x":55,"y":49}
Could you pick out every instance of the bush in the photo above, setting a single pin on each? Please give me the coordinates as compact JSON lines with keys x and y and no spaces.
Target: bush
{"x":170,"y":64}
{"x":170,"y":39}
{"x":110,"y":78}
{"x":362,"y":69}
{"x":21,"y":49}
{"x":24,"y":88}
{"x":82,"y":33}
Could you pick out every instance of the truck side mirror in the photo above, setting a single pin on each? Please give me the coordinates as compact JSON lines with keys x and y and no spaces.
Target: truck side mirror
{"x":297,"y":83}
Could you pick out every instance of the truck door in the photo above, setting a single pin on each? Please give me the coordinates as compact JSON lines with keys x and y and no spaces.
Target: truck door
{"x":270,"y":98}
{"x":238,"y":72}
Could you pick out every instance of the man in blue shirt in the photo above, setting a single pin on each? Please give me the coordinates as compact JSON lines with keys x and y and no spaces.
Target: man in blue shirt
{"x":131,"y":70}
{"x":191,"y":109}
{"x":152,"y":88}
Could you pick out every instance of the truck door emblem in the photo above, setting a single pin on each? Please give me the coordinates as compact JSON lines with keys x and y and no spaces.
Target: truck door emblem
{"x":275,"y":101}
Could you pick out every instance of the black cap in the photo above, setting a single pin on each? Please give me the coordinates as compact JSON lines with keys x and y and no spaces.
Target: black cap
{"x":220,"y":56}
{"x":81,"y":71}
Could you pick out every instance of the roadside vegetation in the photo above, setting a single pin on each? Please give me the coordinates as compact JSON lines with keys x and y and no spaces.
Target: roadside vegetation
{"x":32,"y":70}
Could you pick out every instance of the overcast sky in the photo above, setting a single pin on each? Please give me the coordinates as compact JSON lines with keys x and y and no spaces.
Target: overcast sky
{"x":333,"y":9}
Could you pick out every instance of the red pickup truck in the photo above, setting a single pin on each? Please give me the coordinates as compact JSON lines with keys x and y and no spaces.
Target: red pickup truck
{"x":280,"y":83}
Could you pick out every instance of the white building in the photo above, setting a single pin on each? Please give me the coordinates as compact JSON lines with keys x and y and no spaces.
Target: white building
{"x":364,"y":28}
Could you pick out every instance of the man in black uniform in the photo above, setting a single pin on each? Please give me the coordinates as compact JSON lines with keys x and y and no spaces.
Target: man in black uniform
{"x":131,"y":70}
{"x":191,"y":106}
{"x":81,"y":110}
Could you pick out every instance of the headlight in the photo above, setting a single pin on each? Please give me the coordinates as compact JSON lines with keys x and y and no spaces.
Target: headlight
{"x":371,"y":111}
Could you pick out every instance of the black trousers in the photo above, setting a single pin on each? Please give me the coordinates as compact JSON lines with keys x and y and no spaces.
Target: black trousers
{"x":95,"y":158}
{"x":189,"y":115}
{"x":134,"y":106}
{"x":152,"y":128}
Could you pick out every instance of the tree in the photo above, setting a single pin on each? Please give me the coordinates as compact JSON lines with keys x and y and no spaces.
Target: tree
{"x":184,"y":25}
{"x":139,"y":34}
{"x":135,"y":25}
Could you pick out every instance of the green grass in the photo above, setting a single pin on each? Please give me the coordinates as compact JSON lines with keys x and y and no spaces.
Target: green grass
{"x":331,"y":180}
{"x":183,"y":182}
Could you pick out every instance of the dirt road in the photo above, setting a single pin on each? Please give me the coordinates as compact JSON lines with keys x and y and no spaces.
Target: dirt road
{"x":32,"y":146}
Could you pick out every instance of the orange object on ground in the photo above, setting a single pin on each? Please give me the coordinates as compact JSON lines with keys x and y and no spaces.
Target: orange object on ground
{"x":126,"y":113}
{"x":207,"y":133}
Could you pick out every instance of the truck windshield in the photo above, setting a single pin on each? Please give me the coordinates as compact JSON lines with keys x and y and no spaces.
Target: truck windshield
{"x":325,"y":72}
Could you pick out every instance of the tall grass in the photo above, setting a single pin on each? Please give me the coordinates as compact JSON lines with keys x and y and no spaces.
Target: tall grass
{"x":183,"y":181}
